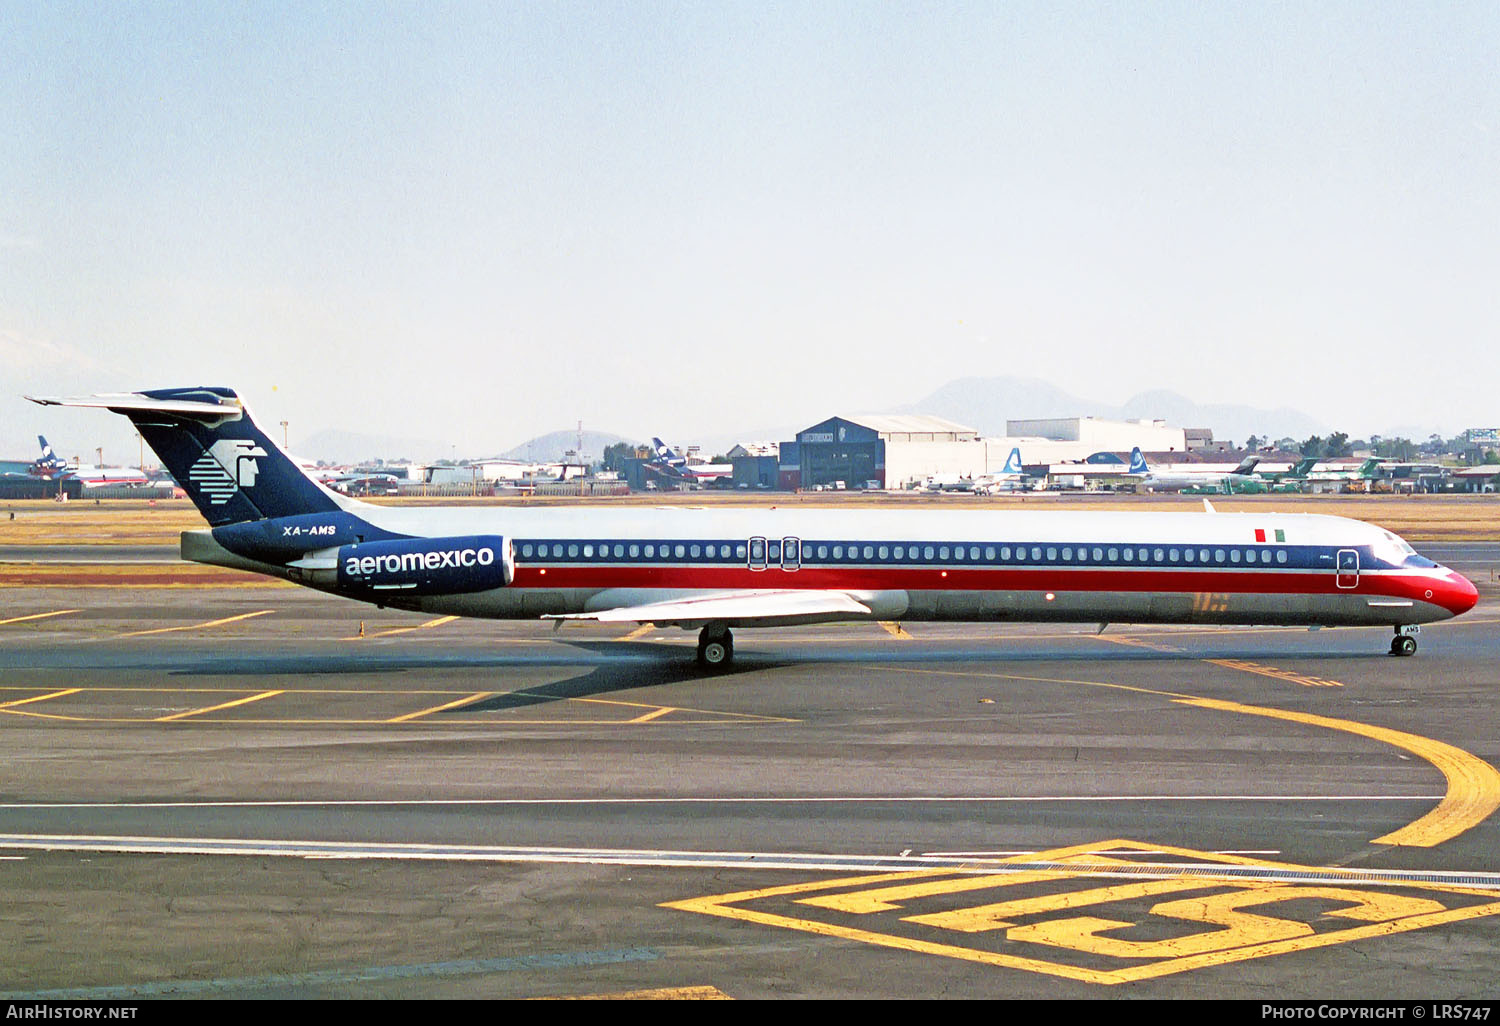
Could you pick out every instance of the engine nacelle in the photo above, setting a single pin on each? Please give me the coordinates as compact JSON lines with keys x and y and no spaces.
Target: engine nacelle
{"x":427,"y":566}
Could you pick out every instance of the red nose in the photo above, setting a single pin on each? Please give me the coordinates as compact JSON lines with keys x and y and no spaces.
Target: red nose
{"x":1457,"y":594}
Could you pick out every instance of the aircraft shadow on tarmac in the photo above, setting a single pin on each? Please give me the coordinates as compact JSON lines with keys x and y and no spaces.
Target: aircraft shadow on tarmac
{"x":628,"y":664}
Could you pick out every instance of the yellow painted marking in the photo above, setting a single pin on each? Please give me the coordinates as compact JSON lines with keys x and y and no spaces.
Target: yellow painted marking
{"x":1229,"y":933}
{"x":421,"y":626}
{"x":895,"y":630}
{"x":40,"y":616}
{"x":477,"y":696}
{"x":1473,"y":784}
{"x":996,"y":916}
{"x":198,"y":626}
{"x":686,"y":715}
{"x":1271,"y":671}
{"x":704,"y":993}
{"x":886,"y":899}
{"x":640,"y":632}
{"x":658,"y":714}
{"x":216,"y":708}
{"x":39,"y":698}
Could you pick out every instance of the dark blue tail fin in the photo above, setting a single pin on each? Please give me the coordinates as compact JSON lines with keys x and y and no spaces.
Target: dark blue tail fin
{"x":1137,"y":461}
{"x":207,"y":439}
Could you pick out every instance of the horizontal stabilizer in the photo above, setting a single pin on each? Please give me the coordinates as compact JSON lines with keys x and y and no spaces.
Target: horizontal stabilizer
{"x":761,"y":608}
{"x":134,"y":402}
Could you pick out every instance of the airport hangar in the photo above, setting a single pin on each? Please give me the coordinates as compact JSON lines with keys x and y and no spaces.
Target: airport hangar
{"x":895,"y":451}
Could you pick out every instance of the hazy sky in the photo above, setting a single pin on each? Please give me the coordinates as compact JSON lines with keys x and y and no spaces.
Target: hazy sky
{"x":478,"y":222}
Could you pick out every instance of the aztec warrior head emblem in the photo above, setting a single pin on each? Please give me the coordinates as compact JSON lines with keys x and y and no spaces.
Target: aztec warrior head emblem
{"x":228,"y":465}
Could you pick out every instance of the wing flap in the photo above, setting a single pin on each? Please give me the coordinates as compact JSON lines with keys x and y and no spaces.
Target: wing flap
{"x":735,"y":608}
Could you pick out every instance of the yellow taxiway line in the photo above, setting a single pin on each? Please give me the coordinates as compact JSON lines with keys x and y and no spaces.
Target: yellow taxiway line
{"x":1473,"y":785}
{"x":39,"y":698}
{"x":216,"y":708}
{"x":40,"y":616}
{"x":456,"y":703}
{"x":197,"y":626}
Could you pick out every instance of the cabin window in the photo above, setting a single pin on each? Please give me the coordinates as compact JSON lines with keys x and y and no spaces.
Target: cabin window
{"x":1098,"y":555}
{"x":1051,"y":554}
{"x":900,"y":552}
{"x":1036,"y":553}
{"x":525,"y":550}
{"x":1067,"y":554}
{"x":1144,"y":555}
{"x":989,"y":553}
{"x":635,"y":550}
{"x":1265,"y":555}
{"x":1234,"y":555}
{"x":1281,"y":555}
{"x":1218,"y":556}
{"x":739,"y":551}
{"x":885,"y":552}
{"x":1114,"y":555}
{"x":1160,"y":555}
{"x":943,"y":552}
{"x":973,"y":553}
{"x":693,"y":551}
{"x":1130,"y":555}
{"x":869,"y":552}
{"x":572,"y":551}
{"x":1171,"y":555}
{"x":588,"y":552}
{"x":838,"y":552}
{"x":822,"y":551}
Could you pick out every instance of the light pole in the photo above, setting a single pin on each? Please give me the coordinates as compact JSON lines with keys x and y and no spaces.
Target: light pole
{"x":284,"y":444}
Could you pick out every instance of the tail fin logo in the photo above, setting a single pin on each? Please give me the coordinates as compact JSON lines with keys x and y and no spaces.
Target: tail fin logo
{"x":229,"y":465}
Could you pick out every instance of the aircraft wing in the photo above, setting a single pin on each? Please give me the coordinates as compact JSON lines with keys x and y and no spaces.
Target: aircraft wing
{"x":781,"y":607}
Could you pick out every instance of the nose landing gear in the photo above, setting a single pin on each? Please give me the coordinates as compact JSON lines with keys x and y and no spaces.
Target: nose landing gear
{"x":1405,"y":641}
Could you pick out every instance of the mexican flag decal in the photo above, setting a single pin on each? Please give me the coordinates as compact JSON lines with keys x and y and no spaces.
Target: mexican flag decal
{"x":1260,"y":535}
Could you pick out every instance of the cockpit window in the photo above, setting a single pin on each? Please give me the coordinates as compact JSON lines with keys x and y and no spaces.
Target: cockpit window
{"x":1396,"y":551}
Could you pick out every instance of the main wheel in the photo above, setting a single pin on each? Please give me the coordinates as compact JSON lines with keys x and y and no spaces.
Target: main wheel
{"x":716,"y":651}
{"x":1403,"y":645}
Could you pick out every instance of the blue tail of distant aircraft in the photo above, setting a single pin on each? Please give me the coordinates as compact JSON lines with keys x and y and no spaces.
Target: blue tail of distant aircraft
{"x":228,"y":466}
{"x":1013,"y":462}
{"x":1138,"y":462}
{"x":49,"y":461}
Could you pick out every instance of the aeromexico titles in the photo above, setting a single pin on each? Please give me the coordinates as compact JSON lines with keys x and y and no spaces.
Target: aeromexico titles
{"x":716,"y":570}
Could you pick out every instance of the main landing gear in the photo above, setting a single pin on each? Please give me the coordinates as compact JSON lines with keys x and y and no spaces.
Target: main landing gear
{"x":715,"y":648}
{"x":1405,"y":641}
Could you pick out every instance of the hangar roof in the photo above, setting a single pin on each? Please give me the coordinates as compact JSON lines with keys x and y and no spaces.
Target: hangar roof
{"x":908,"y":423}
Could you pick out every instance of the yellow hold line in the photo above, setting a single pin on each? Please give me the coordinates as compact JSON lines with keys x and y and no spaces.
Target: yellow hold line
{"x":1473,"y":784}
{"x":40,"y":616}
{"x":895,"y":630}
{"x":216,"y":708}
{"x":641,"y":631}
{"x":477,"y":696}
{"x":197,"y":626}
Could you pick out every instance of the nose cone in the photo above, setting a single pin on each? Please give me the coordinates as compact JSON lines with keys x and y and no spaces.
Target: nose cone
{"x":1457,"y":594}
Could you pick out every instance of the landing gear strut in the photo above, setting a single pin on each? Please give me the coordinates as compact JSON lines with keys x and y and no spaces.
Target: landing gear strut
{"x":715,"y":648}
{"x":1405,"y":642}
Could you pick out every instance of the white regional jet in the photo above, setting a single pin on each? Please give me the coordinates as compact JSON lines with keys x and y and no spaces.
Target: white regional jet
{"x":1180,"y":476}
{"x":715,"y":570}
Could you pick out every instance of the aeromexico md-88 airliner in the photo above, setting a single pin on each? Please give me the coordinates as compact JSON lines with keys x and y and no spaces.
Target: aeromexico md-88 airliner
{"x":715,"y":570}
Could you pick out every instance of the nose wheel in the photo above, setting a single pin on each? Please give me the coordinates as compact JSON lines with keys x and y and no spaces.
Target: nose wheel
{"x":1404,"y":643}
{"x":715,"y":649}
